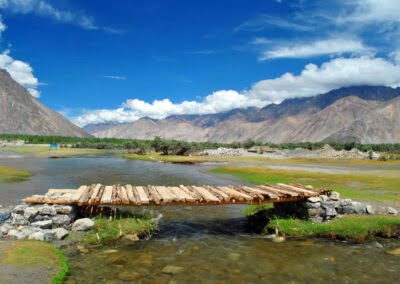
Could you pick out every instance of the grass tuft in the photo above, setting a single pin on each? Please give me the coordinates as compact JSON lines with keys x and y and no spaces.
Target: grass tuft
{"x":354,"y":228}
{"x":8,"y":174}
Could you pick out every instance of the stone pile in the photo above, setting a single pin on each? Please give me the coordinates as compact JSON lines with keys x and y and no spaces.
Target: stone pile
{"x":223,"y":152}
{"x":326,"y":207}
{"x":42,"y":222}
{"x":328,"y":152}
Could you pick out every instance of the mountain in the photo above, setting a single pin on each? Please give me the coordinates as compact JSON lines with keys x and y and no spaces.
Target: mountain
{"x":23,"y":114}
{"x":367,"y":114}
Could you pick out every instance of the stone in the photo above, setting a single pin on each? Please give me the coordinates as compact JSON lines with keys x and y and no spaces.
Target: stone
{"x":234,"y":256}
{"x":60,"y":233}
{"x":18,"y":219}
{"x":132,"y":237}
{"x":4,"y":215}
{"x":314,"y":199}
{"x":37,"y":236}
{"x":313,"y":212}
{"x":30,"y":212}
{"x":346,"y":202}
{"x":330,"y":212}
{"x":64,"y":209}
{"x":327,"y":204}
{"x":82,"y":224}
{"x":370,"y":209}
{"x":13,"y":233}
{"x":47,"y":210}
{"x":170,"y":269}
{"x":49,"y":235}
{"x":334,"y":195}
{"x":316,"y":219}
{"x":5,"y":228}
{"x":61,"y":220}
{"x":324,"y":198}
{"x":42,"y":224}
{"x":25,"y":232}
{"x":359,"y":208}
{"x":378,"y":245}
{"x":19,"y":209}
{"x":391,"y":211}
{"x":395,"y":251}
{"x":309,"y":205}
{"x":128,"y":276}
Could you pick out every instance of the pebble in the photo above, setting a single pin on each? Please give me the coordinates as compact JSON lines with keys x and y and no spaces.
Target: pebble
{"x":128,"y":275}
{"x":378,"y":245}
{"x":170,"y":269}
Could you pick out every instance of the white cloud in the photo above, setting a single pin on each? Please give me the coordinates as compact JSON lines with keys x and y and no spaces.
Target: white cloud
{"x":45,"y":9}
{"x":313,"y":80}
{"x":372,"y":11}
{"x":21,"y":72}
{"x":114,"y":77}
{"x":261,"y":22}
{"x":333,"y":46}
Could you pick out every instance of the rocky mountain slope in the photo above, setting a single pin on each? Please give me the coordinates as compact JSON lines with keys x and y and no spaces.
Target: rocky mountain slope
{"x":23,"y":114}
{"x":367,"y":114}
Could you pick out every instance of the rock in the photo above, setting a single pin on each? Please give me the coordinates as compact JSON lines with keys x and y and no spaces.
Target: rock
{"x":132,"y":238}
{"x":5,"y":228}
{"x":324,"y":198}
{"x":370,"y":209}
{"x":378,"y":245}
{"x":359,"y":207}
{"x":19,"y":209}
{"x":49,"y":235}
{"x":60,"y":233}
{"x":84,"y":250}
{"x":316,"y":219}
{"x":313,"y":212}
{"x":18,"y":219}
{"x":170,"y":269}
{"x":346,"y":202}
{"x":117,"y":260}
{"x":395,"y":252}
{"x":327,"y":204}
{"x":13,"y":233}
{"x":82,"y":224}
{"x":309,"y":205}
{"x":330,"y":212}
{"x":334,"y":195}
{"x":61,"y":220}
{"x":234,"y":256}
{"x":26,"y":232}
{"x":128,"y":276}
{"x":391,"y":211}
{"x":37,"y":236}
{"x":4,"y":215}
{"x":42,"y":224}
{"x":314,"y":199}
{"x":64,"y":209}
{"x":30,"y":212}
{"x":47,"y":210}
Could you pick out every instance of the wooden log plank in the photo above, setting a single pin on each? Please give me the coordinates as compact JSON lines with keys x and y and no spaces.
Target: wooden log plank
{"x":144,"y":199}
{"x":107,"y":195}
{"x":236,"y":194}
{"x":94,"y":193}
{"x":136,"y":194}
{"x":262,"y":192}
{"x":255,"y":195}
{"x":59,"y":191}
{"x":124,"y":196}
{"x":219,"y":193}
{"x":85,"y":195}
{"x":131,"y":196}
{"x":97,"y":200}
{"x":207,"y":196}
{"x":305,"y":192}
{"x":117,"y":197}
{"x":193,"y":194}
{"x":77,"y":195}
{"x":154,"y":195}
{"x":187,"y":197}
{"x":278,"y":190}
{"x":165,"y":196}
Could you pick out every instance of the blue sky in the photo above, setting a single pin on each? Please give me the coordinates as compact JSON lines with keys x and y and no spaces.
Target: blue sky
{"x":98,"y":61}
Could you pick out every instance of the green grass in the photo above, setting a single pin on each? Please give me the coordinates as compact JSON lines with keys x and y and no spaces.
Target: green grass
{"x":105,"y":230}
{"x":253,"y":209}
{"x":34,"y":253}
{"x":8,"y":174}
{"x":354,"y":228}
{"x":45,"y":150}
{"x":355,"y":186}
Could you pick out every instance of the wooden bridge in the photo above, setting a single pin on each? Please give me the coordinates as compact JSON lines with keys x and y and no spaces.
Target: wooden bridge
{"x":128,"y":195}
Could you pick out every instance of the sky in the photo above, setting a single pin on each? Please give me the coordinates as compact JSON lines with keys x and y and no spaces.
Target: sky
{"x":117,"y":61}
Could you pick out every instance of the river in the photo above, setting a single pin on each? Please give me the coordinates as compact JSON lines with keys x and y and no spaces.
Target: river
{"x":203,"y":243}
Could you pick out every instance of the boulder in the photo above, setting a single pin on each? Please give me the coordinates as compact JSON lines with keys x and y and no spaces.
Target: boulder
{"x":310,"y":205}
{"x":391,"y":211}
{"x":5,"y":228}
{"x":64,"y":209}
{"x":19,"y":209}
{"x":42,"y":224}
{"x":47,"y":210}
{"x":330,"y":212}
{"x":30,"y":212}
{"x":345,"y":202}
{"x":334,"y":196}
{"x":13,"y":233}
{"x":359,"y":208}
{"x":82,"y":224}
{"x":49,"y":235}
{"x":37,"y":236}
{"x":26,"y":232}
{"x":314,"y":199}
{"x":61,"y":220}
{"x":370,"y":209}
{"x":316,"y":219}
{"x":18,"y":219}
{"x":60,"y":233}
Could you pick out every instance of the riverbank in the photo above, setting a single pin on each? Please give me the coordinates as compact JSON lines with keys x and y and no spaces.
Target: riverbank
{"x":9,"y":174}
{"x":44,"y":150}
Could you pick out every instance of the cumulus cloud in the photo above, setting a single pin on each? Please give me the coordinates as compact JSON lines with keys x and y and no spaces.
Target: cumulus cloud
{"x":333,"y":46}
{"x":21,"y":72}
{"x":372,"y":11}
{"x":312,"y":80}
